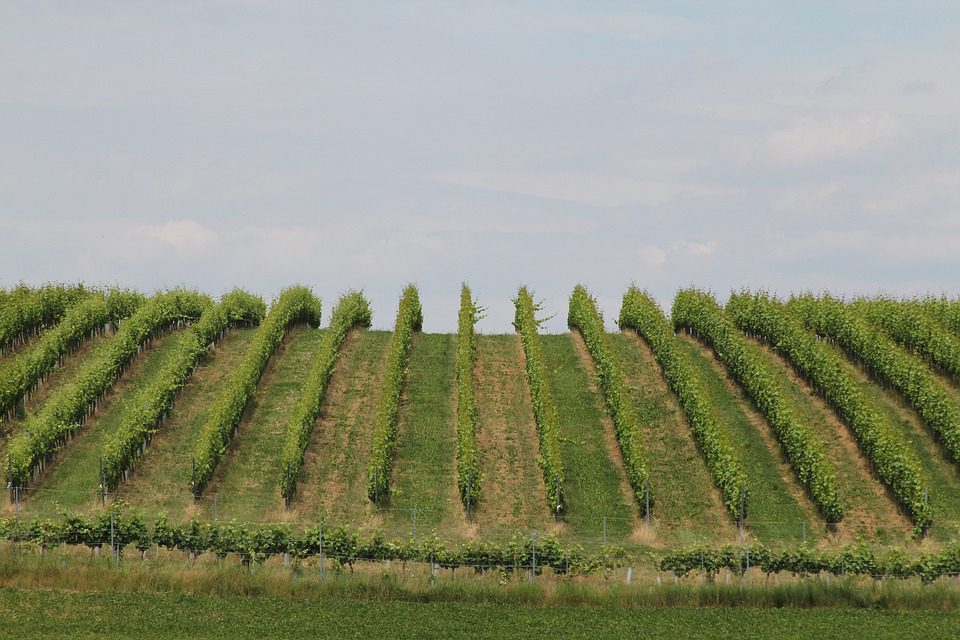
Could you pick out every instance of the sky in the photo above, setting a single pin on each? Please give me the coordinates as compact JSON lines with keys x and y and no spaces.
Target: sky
{"x":788,"y":146}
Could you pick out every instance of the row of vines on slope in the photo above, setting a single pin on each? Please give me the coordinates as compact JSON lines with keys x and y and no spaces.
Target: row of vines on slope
{"x":67,"y":410}
{"x":584,"y":317}
{"x":544,"y":409}
{"x":25,"y":311}
{"x":143,"y":416}
{"x":468,"y":465}
{"x":409,"y":320}
{"x":698,"y":312}
{"x":294,"y":305}
{"x":944,"y":310}
{"x":832,"y":319}
{"x":766,"y":319}
{"x":352,"y":310}
{"x":88,"y":317}
{"x":906,"y":322}
{"x":641,"y":313}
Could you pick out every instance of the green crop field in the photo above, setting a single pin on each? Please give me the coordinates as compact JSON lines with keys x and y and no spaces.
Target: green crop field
{"x":741,"y":432}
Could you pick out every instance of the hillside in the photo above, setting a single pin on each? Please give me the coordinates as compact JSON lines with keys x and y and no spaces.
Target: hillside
{"x":605,"y":392}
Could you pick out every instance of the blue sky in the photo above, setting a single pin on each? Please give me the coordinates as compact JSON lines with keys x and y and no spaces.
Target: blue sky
{"x":787,"y":146}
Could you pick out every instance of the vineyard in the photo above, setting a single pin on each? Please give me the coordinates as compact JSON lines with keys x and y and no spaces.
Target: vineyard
{"x":808,"y":433}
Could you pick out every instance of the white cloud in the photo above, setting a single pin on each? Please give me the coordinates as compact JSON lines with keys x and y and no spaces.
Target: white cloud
{"x":592,"y":189}
{"x":181,"y":234}
{"x":651,"y":256}
{"x":811,"y":140}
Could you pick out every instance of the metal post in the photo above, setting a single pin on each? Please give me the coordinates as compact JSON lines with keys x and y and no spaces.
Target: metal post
{"x":323,"y":568}
{"x":103,"y":488}
{"x":113,"y":548}
{"x":804,"y":523}
{"x":557,"y":510}
{"x":533,"y":573}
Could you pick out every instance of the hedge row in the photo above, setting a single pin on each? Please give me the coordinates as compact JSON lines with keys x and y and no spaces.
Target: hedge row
{"x":352,"y":310}
{"x":641,"y":313}
{"x":855,"y":560}
{"x":906,"y":322}
{"x":468,"y":466}
{"x":698,"y":312}
{"x":65,"y":412}
{"x":254,"y":544}
{"x":84,"y":319}
{"x":832,"y":319}
{"x":25,"y":311}
{"x":143,"y":416}
{"x":409,"y":320}
{"x":544,"y":410}
{"x":892,"y":460}
{"x":583,"y":316}
{"x":295,"y":305}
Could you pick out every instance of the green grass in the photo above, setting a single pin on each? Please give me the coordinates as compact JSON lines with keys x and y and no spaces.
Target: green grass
{"x":870,"y":513}
{"x":942,"y":474}
{"x":513,"y":494}
{"x":775,"y":513}
{"x":333,"y":482}
{"x":594,"y":484}
{"x":73,"y":479}
{"x":424,"y":468}
{"x":687,"y":506}
{"x":247,"y":481}
{"x":147,"y":615}
{"x":160,"y":481}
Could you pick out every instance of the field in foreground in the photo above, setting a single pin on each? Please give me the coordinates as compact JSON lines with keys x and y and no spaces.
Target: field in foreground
{"x":81,"y":597}
{"x":58,"y":614}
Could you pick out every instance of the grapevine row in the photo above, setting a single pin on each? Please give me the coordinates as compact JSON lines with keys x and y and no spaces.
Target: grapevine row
{"x":641,"y":313}
{"x":65,"y":411}
{"x":88,"y":317}
{"x":905,"y":322}
{"x":26,"y":311}
{"x":585,"y":318}
{"x":143,"y":416}
{"x":352,"y":310}
{"x":698,"y":312}
{"x":294,"y":305}
{"x":341,"y":545}
{"x":856,"y":560}
{"x":409,"y":320}
{"x":468,"y":468}
{"x":832,"y":319}
{"x":892,"y":461}
{"x":544,"y":409}
{"x":943,"y":310}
